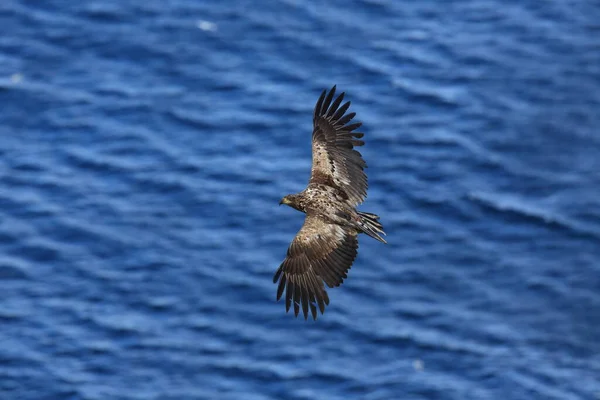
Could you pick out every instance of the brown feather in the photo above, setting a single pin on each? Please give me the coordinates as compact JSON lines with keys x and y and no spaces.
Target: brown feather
{"x":324,"y":249}
{"x":320,"y":252}
{"x":335,"y":162}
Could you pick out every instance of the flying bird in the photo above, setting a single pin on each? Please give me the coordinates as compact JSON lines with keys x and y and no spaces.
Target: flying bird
{"x":325,"y":247}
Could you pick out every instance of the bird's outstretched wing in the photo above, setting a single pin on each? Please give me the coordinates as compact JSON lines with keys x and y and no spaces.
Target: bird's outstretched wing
{"x":334,"y":161}
{"x":320,"y":252}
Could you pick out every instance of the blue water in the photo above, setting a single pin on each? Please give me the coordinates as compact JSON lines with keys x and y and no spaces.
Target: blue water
{"x":145,"y":145}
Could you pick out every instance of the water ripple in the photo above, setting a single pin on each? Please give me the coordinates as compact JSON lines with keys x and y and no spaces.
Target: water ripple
{"x":145,"y":149}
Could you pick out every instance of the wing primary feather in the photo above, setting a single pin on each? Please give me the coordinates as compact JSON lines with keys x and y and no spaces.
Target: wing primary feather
{"x":319,"y":105}
{"x":288,"y":293}
{"x":318,"y":290}
{"x":312,"y":294}
{"x":276,"y":276}
{"x":296,"y":299}
{"x":339,"y":113}
{"x":344,"y":120}
{"x":353,"y":126}
{"x":304,"y":296}
{"x":327,"y":101}
{"x":335,"y":105}
{"x":313,"y":311}
{"x":281,"y":287}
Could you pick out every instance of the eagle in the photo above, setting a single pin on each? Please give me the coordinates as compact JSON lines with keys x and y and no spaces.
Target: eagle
{"x":325,"y":247}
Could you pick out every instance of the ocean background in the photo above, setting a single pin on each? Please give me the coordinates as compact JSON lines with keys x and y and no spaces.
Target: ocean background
{"x":145,"y":145}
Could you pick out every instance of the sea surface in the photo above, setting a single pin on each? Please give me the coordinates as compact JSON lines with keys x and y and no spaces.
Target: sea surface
{"x":144,"y":148}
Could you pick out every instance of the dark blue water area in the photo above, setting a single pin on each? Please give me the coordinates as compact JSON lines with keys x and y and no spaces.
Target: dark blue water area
{"x":144,"y":148}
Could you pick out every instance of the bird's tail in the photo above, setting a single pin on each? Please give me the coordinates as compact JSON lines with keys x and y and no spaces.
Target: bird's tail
{"x":369,"y":224}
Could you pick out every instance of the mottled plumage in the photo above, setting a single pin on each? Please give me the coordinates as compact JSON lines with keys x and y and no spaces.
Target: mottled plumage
{"x":325,"y":247}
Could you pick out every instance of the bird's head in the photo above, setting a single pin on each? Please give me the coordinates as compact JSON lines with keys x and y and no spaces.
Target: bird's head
{"x":294,"y":200}
{"x":287,"y":200}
